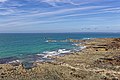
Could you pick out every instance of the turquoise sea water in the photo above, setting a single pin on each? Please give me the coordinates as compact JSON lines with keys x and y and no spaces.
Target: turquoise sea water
{"x":23,"y":44}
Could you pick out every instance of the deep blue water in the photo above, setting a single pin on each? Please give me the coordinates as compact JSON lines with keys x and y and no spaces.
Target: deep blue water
{"x":21,"y":44}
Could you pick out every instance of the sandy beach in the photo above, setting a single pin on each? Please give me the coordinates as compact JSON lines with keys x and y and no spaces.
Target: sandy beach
{"x":100,"y":60}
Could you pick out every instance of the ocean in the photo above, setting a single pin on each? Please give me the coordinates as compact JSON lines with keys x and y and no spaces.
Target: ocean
{"x":25,"y":46}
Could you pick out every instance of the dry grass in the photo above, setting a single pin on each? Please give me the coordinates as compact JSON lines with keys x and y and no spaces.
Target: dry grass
{"x":88,"y":64}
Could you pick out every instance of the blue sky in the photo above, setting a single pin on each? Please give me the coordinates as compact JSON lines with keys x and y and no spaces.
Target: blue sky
{"x":29,"y":16}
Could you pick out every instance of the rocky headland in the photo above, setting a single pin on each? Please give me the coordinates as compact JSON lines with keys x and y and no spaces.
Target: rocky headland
{"x":100,"y":60}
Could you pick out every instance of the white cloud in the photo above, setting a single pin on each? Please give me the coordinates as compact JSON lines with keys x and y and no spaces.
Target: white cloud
{"x":62,"y":11}
{"x":64,"y":1}
{"x":54,"y":2}
{"x":3,"y":1}
{"x":5,"y":11}
{"x":101,"y":11}
{"x":72,"y":2}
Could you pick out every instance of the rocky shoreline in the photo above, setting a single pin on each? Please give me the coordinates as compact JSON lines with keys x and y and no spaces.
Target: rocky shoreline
{"x":99,"y":61}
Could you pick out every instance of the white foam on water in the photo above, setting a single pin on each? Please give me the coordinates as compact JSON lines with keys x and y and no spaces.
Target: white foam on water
{"x":76,"y":44}
{"x":83,"y":47}
{"x":47,"y":54}
{"x":46,"y":41}
{"x":15,"y":61}
{"x":79,"y":48}
{"x":40,"y":54}
{"x":50,"y":53}
{"x":51,"y":41}
{"x":63,"y":51}
{"x":86,"y":38}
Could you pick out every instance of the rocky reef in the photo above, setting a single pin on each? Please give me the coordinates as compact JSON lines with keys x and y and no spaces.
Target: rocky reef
{"x":99,"y":61}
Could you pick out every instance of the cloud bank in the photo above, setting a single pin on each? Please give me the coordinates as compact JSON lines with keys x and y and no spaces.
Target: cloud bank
{"x":19,"y":14}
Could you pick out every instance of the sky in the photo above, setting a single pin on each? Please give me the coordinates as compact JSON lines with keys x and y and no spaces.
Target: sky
{"x":51,"y":16}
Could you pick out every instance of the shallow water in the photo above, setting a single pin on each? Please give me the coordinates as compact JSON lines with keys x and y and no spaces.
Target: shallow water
{"x":25,"y":45}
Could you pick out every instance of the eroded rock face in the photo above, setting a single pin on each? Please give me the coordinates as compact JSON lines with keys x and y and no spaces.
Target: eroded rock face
{"x":114,"y":45}
{"x":105,"y":44}
{"x":117,"y":39}
{"x":113,"y":61}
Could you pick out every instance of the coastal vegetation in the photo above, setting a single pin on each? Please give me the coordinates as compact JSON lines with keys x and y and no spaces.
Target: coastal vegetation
{"x":100,"y":60}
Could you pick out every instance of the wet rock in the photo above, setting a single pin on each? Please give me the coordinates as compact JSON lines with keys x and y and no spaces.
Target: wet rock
{"x":15,"y":63}
{"x":28,"y":65}
{"x":7,"y":60}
